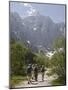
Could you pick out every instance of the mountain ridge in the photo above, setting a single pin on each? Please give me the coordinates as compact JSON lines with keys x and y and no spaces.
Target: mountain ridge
{"x":38,"y":30}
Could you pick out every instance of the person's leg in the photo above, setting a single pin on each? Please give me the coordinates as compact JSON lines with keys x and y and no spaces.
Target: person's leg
{"x":43,"y":76}
{"x":36,"y":77}
{"x":33,"y":76}
{"x":28,"y":79}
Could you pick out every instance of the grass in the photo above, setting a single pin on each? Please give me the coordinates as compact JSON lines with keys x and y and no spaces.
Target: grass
{"x":16,"y":80}
{"x":49,"y":74}
{"x":59,"y":81}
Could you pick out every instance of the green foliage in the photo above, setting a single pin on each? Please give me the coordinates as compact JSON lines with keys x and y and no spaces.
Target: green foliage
{"x":29,"y":57}
{"x":50,"y":73}
{"x":57,"y":62}
{"x":59,"y":81}
{"x":41,"y":59}
{"x":16,"y":80}
{"x":59,"y":43}
{"x":20,"y":56}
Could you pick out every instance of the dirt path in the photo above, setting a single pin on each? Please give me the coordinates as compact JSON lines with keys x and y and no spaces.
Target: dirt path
{"x":47,"y":81}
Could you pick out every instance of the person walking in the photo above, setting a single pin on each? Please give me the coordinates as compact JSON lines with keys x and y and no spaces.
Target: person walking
{"x":43,"y":72}
{"x":29,"y":73}
{"x":36,"y":73}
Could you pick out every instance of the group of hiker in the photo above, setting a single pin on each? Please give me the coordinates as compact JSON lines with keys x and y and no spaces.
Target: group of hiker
{"x":33,"y":71}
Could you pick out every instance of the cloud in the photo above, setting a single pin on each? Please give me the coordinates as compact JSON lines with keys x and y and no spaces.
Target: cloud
{"x":31,"y":10}
{"x":27,"y":5}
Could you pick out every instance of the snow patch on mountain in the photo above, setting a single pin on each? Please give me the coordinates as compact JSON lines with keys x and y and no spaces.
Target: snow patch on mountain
{"x":34,"y":28}
{"x":23,"y":23}
{"x":28,"y":42}
{"x":50,"y":53}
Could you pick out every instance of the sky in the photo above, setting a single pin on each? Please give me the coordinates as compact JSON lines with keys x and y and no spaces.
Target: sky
{"x":54,"y":11}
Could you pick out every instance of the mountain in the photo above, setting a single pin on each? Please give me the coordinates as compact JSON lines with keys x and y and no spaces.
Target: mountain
{"x":37,"y":32}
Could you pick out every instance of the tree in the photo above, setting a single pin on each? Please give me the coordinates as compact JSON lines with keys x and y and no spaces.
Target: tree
{"x":41,"y":59}
{"x":59,"y":43}
{"x":20,"y":57}
{"x":17,"y":58}
{"x":57,"y":62}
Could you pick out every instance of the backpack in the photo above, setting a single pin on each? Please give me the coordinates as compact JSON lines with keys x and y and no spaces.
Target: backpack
{"x":43,"y":69}
{"x":36,"y":69}
{"x":29,"y":69}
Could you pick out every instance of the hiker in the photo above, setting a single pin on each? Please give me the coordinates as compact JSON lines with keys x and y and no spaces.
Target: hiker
{"x":33,"y":72}
{"x":29,"y":73}
{"x":36,"y":73}
{"x":43,"y":72}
